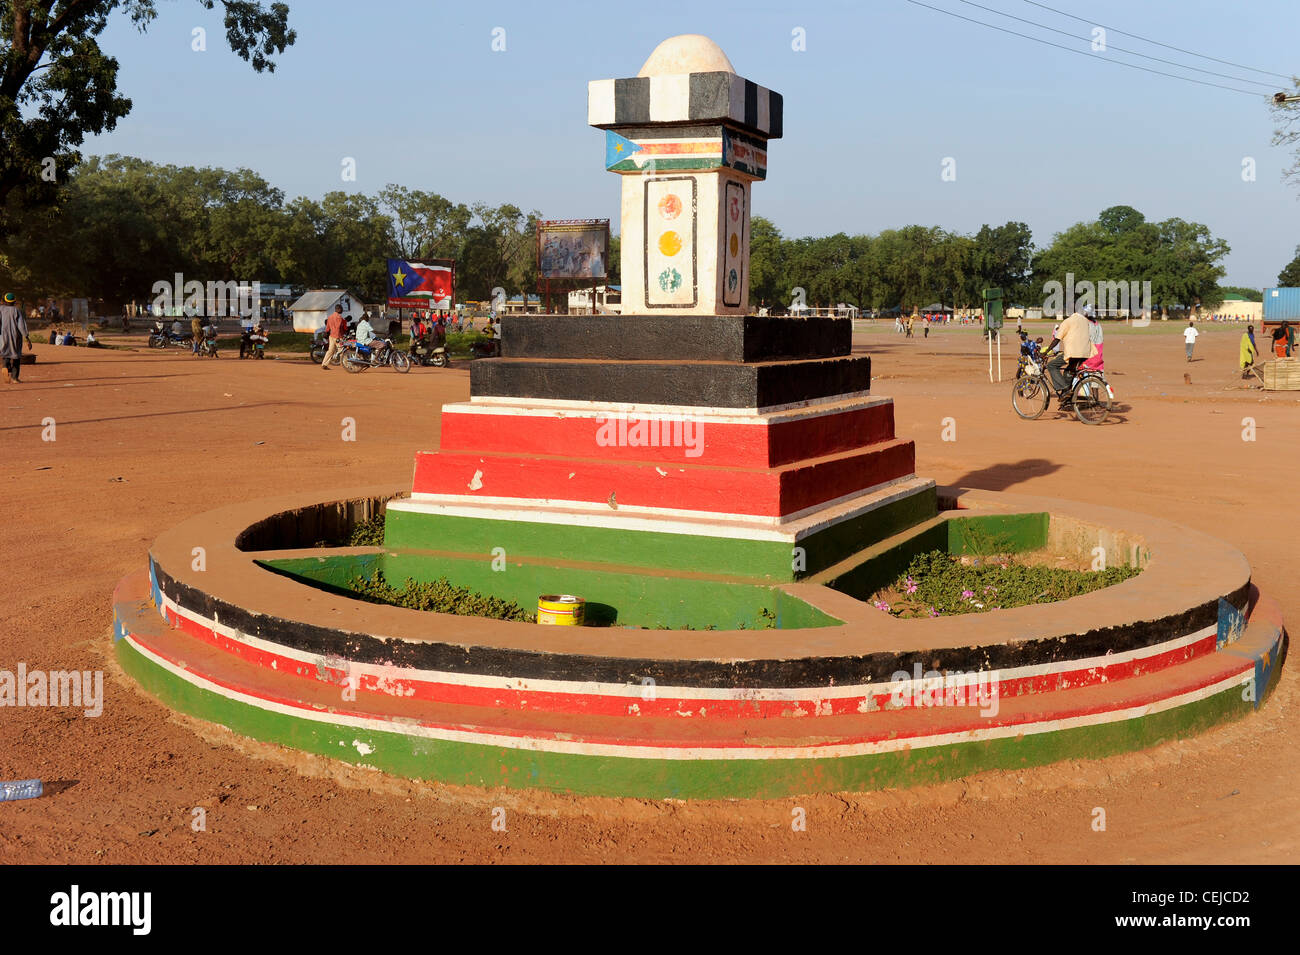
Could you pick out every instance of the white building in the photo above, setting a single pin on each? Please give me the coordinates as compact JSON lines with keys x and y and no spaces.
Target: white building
{"x":609,"y":300}
{"x":311,"y":310}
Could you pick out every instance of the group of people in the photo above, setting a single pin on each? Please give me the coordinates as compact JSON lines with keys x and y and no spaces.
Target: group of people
{"x":1282,"y":345}
{"x":338,"y":327}
{"x":906,"y":326}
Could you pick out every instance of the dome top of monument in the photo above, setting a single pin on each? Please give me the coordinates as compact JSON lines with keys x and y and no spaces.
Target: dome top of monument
{"x":688,"y":53}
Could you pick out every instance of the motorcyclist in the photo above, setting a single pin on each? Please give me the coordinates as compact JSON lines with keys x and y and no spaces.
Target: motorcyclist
{"x":419,"y":329}
{"x":1073,"y":338}
{"x":365,"y":335}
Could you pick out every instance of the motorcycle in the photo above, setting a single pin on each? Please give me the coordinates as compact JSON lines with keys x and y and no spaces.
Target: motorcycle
{"x":252,"y":346}
{"x":378,"y":353}
{"x":1088,"y":395}
{"x":160,"y":337}
{"x":208,"y":344}
{"x":320,"y":344}
{"x":429,"y":352}
{"x":486,"y":348}
{"x":1029,"y":350}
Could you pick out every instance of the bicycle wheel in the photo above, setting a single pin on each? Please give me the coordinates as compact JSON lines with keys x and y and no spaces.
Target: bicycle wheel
{"x":1029,"y":396}
{"x":352,"y":361}
{"x":401,"y":363}
{"x":1091,"y":401}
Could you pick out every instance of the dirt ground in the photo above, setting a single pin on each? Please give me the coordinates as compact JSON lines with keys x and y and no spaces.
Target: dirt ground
{"x":143,"y":438}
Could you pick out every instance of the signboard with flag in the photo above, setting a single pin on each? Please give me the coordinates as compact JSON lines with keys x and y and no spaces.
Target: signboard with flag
{"x":427,"y":283}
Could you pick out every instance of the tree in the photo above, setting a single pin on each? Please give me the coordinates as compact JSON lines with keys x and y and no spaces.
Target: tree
{"x":425,"y":225}
{"x":1288,"y":133}
{"x":1180,"y":259}
{"x":1002,"y":258}
{"x":498,"y":252}
{"x":57,"y":86}
{"x":766,"y":284}
{"x":1289,"y":277}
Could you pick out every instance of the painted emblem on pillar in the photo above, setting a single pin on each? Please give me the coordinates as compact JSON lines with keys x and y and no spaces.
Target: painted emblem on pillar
{"x":735,"y":246}
{"x":670,"y":280}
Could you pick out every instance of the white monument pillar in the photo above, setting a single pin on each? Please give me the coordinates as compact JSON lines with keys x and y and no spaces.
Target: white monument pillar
{"x":688,"y":136}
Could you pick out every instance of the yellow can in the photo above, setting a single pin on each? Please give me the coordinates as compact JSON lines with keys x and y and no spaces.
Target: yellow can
{"x":560,"y":610}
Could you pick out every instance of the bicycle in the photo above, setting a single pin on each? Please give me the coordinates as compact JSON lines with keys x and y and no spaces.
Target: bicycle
{"x":1088,"y":395}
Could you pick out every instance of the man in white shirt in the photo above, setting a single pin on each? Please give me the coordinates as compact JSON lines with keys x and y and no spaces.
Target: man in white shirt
{"x":1189,"y":336}
{"x":1073,"y":336}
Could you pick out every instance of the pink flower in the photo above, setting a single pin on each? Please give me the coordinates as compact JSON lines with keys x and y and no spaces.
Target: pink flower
{"x":933,"y":612}
{"x":967,"y":594}
{"x":881,"y":605}
{"x":911,"y":587}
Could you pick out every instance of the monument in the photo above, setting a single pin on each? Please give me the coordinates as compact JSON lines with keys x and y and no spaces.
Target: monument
{"x":726,"y":492}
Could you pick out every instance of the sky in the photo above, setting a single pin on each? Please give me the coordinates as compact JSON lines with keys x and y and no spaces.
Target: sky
{"x":882,"y":93}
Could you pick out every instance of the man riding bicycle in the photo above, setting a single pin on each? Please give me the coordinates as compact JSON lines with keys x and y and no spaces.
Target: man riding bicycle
{"x":1073,"y":335}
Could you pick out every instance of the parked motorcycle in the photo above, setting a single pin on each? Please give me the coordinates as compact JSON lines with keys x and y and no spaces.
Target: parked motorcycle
{"x":252,"y":345}
{"x":1029,"y":350}
{"x":378,"y":353}
{"x":429,"y":352}
{"x":161,"y":337}
{"x":208,"y":343}
{"x":486,"y":348}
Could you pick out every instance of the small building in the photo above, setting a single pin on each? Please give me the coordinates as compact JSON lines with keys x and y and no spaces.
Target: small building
{"x":517,"y":305}
{"x":311,"y":310}
{"x":609,"y":300}
{"x":1235,"y":308}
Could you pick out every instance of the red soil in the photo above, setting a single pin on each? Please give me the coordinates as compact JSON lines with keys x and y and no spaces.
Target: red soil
{"x":144,"y":438}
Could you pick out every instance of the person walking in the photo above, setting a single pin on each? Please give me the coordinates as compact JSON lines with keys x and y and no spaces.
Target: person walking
{"x":1248,"y":352}
{"x":196,"y":332}
{"x":1189,"y":338}
{"x":334,"y":325}
{"x":13,"y":330}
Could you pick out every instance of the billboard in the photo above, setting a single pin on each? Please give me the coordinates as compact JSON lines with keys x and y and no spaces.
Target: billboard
{"x":426,"y":283}
{"x":573,"y":248}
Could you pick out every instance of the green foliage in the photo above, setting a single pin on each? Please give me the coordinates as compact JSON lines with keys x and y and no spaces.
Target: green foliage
{"x":1289,"y":277}
{"x":57,"y":86}
{"x":910,"y":267}
{"x":439,"y":596}
{"x":123,"y":223}
{"x":368,"y":533}
{"x":1249,"y":294}
{"x":1180,"y":259}
{"x":936,"y":584}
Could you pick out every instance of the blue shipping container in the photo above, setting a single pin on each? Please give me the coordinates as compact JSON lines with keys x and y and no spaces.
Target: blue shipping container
{"x":1282,"y":304}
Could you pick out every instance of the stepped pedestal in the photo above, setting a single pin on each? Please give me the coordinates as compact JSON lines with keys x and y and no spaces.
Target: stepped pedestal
{"x":737,"y":445}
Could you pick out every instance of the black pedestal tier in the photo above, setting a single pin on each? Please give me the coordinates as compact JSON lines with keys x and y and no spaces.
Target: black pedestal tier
{"x":688,"y":383}
{"x":743,"y":338}
{"x":717,"y":361}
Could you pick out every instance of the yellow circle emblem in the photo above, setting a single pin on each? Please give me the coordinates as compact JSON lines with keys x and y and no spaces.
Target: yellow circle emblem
{"x":670,"y":243}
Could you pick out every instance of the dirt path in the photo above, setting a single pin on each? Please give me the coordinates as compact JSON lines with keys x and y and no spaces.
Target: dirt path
{"x":142,"y":438}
